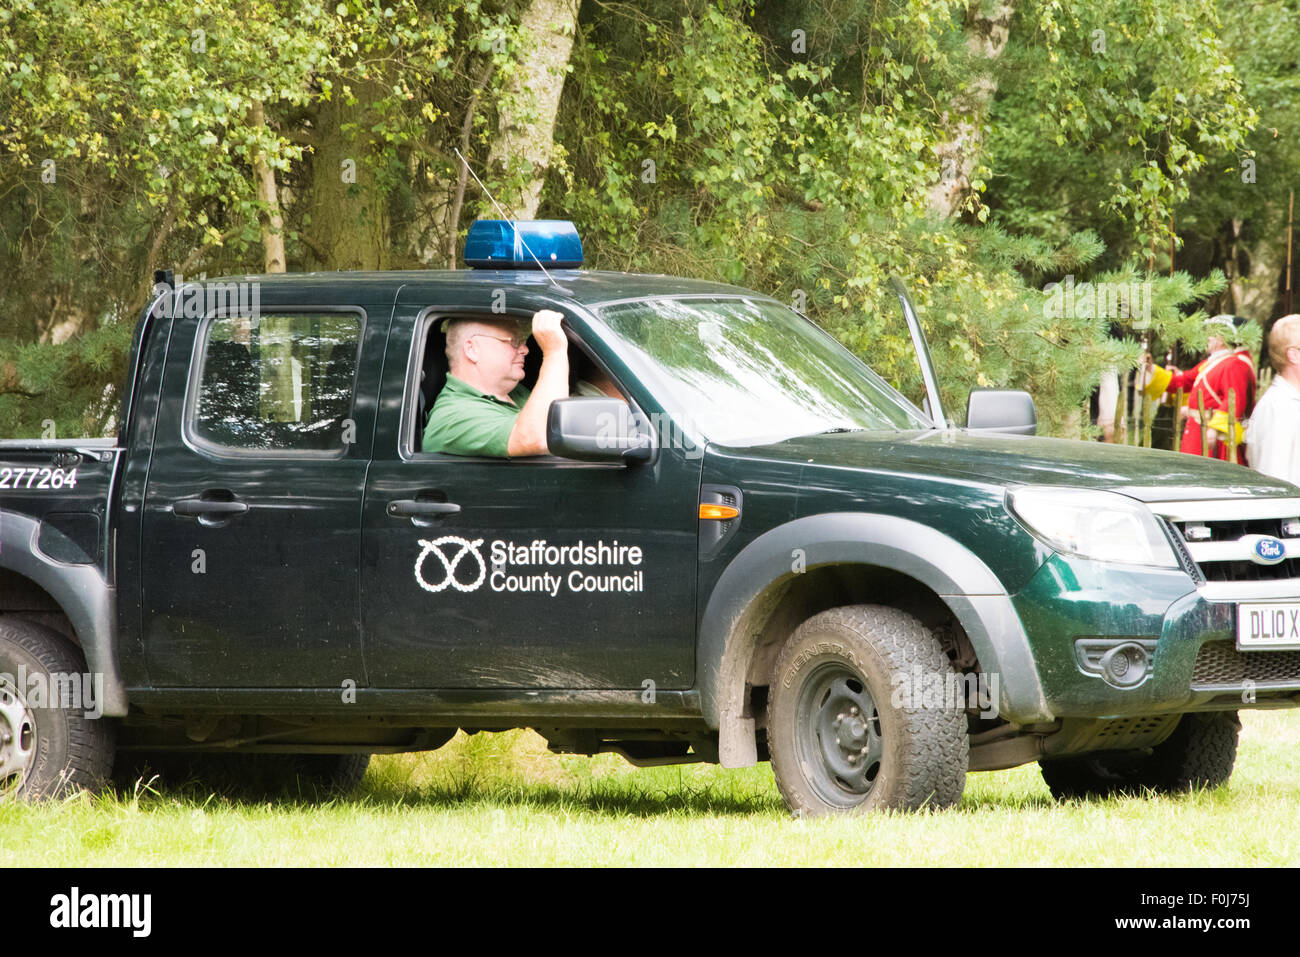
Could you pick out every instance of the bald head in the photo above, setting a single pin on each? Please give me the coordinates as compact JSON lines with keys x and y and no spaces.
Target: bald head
{"x":1284,"y":336}
{"x":460,"y":331}
{"x":482,"y":353}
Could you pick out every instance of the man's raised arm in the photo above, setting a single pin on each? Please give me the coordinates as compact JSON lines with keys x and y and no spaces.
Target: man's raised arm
{"x":529,"y":434}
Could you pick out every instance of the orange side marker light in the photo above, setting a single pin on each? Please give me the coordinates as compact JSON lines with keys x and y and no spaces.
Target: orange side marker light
{"x":718,"y":512}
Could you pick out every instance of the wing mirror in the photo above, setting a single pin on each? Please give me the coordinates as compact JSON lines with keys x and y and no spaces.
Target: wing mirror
{"x":1001,"y":410}
{"x":597,"y":430}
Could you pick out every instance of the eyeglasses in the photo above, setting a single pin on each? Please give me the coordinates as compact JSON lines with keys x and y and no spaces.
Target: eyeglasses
{"x":516,"y":342}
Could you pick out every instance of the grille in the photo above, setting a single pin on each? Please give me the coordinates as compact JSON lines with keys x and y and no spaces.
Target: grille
{"x":1242,"y":569}
{"x":1219,"y":662}
{"x":726,"y":498}
{"x":1249,"y":571}
{"x":714,"y":534}
{"x":1230,"y":531}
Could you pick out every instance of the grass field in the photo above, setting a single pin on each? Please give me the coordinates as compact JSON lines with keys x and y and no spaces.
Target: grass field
{"x":504,"y":800}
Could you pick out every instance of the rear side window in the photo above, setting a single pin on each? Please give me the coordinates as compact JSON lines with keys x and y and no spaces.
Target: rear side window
{"x":277,"y":382}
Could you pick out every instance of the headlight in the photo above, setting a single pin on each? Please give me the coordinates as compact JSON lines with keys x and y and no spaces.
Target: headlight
{"x":1105,"y":526}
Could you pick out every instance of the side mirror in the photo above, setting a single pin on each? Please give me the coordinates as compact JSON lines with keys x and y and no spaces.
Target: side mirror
{"x":597,"y":430}
{"x":1001,"y":410}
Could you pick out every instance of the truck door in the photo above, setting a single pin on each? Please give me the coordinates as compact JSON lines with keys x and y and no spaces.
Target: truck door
{"x":519,"y":573}
{"x":251,"y":526}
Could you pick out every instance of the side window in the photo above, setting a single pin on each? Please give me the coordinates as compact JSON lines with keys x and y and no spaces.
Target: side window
{"x":277,"y":382}
{"x":586,"y":376}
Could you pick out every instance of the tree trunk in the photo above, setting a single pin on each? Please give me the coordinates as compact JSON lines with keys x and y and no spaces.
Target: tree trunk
{"x":1231,"y":295}
{"x":526,"y":117}
{"x":1254,"y":291}
{"x":272,"y":221}
{"x":67,"y":317}
{"x":440,"y":184}
{"x":349,"y":214}
{"x":452,"y":222}
{"x":986,"y":37}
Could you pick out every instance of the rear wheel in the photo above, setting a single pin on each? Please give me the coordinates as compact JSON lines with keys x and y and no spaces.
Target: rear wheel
{"x":837,"y":740}
{"x":1200,"y":753}
{"x":48,"y":745}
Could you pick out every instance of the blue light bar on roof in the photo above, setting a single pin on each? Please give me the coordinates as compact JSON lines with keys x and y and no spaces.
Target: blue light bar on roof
{"x":506,"y":244}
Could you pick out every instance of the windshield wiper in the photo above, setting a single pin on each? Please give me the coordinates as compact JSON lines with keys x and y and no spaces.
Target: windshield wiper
{"x":840,"y":428}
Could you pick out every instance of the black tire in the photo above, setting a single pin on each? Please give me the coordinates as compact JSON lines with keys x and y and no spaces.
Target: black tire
{"x":855,"y":657}
{"x":1200,"y":753}
{"x":308,"y":776}
{"x":330,"y":775}
{"x":1096,"y":775}
{"x":48,"y":748}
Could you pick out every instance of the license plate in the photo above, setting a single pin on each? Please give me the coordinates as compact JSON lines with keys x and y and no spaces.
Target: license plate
{"x":1268,"y":625}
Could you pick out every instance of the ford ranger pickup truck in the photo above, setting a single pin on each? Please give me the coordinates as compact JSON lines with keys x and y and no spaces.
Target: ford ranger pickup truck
{"x":753,"y":550}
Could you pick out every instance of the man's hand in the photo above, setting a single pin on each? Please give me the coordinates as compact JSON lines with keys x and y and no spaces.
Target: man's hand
{"x":548,"y":335}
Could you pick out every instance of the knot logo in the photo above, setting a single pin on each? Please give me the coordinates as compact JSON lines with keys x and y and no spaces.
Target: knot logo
{"x":450,"y":564}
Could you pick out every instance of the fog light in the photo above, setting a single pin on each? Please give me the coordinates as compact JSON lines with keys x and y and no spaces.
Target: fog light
{"x":1125,"y":665}
{"x":1121,"y":662}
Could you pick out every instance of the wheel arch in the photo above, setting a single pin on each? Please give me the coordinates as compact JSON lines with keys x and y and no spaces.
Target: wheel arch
{"x":850,"y":557}
{"x":78,"y":592}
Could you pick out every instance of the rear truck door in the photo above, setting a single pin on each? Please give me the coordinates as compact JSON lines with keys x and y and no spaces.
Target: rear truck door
{"x":540,"y":573}
{"x":251,"y":518}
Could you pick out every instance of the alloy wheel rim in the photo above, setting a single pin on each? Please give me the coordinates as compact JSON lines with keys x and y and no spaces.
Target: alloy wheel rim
{"x":17,"y":738}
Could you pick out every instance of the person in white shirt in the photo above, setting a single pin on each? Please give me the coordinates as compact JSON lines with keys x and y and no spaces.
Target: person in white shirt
{"x":1273,"y":439}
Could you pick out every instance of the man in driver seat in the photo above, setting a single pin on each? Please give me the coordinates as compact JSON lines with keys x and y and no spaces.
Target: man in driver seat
{"x":483,"y":409}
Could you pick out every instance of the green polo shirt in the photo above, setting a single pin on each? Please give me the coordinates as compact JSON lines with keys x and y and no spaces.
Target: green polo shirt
{"x":465,"y":421}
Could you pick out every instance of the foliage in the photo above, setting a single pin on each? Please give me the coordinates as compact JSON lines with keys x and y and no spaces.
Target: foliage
{"x":124,"y":130}
{"x":809,"y":178}
{"x":786,"y":147}
{"x":1244,"y":203}
{"x":1137,"y":96}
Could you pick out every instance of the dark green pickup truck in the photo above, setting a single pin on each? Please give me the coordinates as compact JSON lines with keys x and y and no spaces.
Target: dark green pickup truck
{"x":757,"y":551}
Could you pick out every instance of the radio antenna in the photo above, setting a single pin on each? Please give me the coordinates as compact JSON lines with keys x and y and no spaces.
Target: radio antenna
{"x":518,"y":235}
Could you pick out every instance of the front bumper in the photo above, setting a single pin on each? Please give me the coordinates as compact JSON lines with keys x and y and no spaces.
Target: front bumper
{"x":1190,"y":631}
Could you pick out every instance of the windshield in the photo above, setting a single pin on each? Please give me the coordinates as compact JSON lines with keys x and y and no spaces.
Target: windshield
{"x":751,"y":371}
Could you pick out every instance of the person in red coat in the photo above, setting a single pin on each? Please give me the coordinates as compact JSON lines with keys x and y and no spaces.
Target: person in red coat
{"x":1228,"y":368}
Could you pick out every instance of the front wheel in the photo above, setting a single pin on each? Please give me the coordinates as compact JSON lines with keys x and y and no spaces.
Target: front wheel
{"x":850,"y":726}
